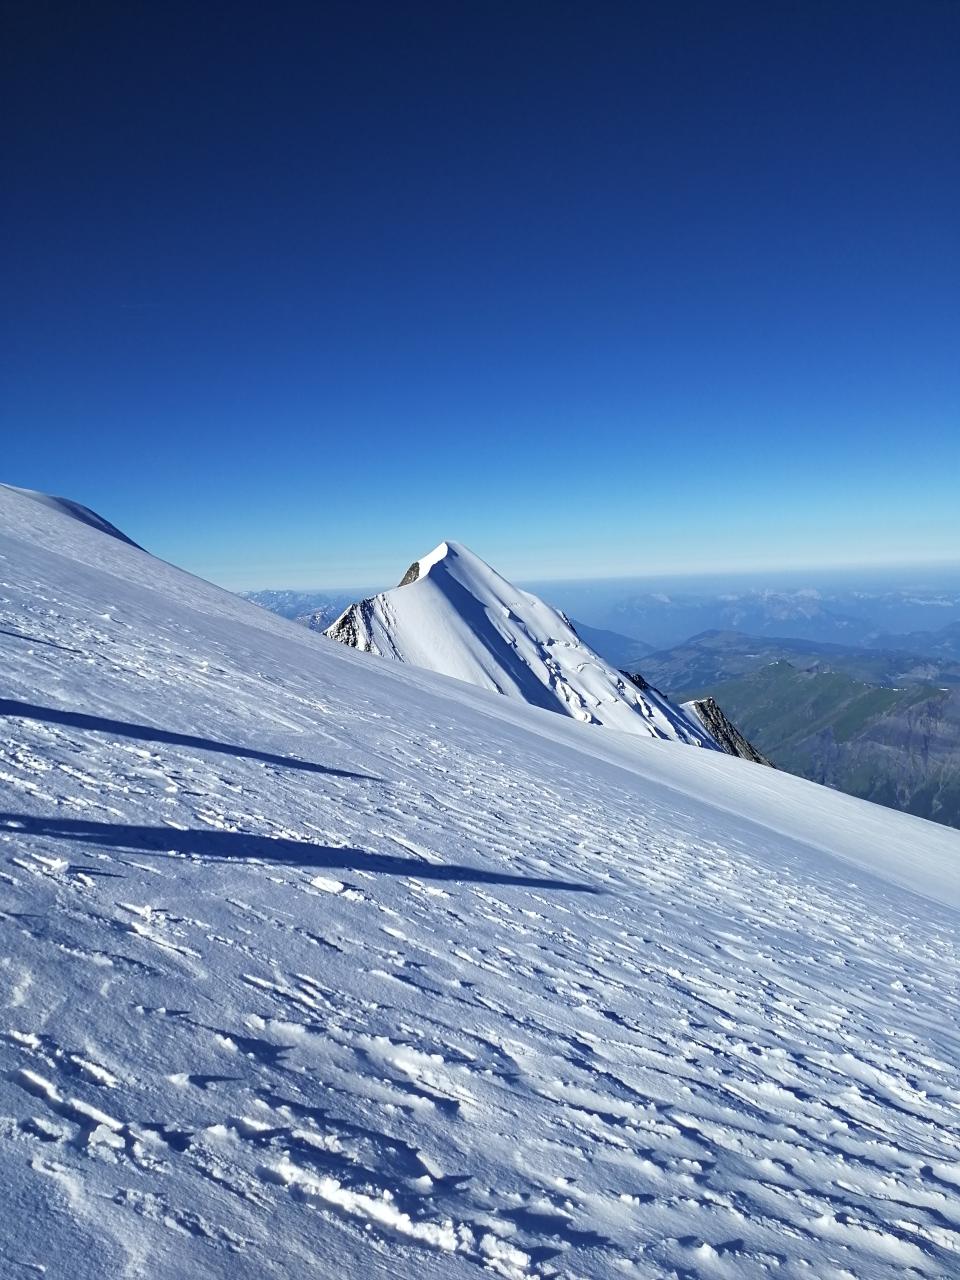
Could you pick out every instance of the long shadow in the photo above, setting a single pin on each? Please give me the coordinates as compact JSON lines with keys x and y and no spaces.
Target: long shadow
{"x":52,"y":644}
{"x":231,"y":846}
{"x":147,"y":733}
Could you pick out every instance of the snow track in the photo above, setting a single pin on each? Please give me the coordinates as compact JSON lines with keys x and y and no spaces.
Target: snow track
{"x":318,"y":966}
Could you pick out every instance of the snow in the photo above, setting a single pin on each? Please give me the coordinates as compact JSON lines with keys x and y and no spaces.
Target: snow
{"x":315,"y":965}
{"x":455,"y":615}
{"x":74,"y":509}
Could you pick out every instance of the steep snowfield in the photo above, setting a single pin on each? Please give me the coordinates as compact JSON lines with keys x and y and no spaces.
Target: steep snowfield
{"x":318,"y":966}
{"x":455,"y":615}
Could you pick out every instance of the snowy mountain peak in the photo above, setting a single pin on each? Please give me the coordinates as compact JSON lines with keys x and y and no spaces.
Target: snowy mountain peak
{"x":452,"y":613}
{"x":451,"y":558}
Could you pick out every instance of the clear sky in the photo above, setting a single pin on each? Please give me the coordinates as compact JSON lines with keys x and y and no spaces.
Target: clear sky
{"x":291,"y":292}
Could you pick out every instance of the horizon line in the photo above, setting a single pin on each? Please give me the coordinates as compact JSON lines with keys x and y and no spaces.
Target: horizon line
{"x":876,"y":566}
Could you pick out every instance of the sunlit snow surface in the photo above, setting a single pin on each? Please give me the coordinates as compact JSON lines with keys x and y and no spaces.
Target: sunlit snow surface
{"x":455,"y":615}
{"x":315,"y":965}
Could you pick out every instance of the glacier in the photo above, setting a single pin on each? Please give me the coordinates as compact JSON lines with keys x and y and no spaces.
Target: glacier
{"x":319,"y":965}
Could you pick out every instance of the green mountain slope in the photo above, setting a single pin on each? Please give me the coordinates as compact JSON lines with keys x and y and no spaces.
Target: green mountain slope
{"x":898,"y":746}
{"x":713,"y":656}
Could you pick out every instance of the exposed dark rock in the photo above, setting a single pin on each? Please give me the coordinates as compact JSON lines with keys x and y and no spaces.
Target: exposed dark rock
{"x":638,"y":679}
{"x":711,"y":716}
{"x":349,"y":628}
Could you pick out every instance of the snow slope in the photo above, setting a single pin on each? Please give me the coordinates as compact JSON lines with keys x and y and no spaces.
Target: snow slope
{"x":455,"y":615}
{"x":74,"y":509}
{"x":315,"y":966}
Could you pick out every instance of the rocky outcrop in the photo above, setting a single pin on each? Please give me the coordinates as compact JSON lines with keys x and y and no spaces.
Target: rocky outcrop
{"x":353,"y":628}
{"x":412,"y":574}
{"x":710,"y":714}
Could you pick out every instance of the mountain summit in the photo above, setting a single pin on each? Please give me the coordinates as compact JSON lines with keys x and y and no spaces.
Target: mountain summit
{"x":455,"y":615}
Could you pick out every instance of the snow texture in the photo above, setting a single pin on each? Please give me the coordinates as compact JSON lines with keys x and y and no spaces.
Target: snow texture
{"x":318,"y":966}
{"x":455,"y":615}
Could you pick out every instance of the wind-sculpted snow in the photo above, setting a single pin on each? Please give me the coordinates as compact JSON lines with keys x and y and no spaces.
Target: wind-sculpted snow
{"x":320,"y":967}
{"x":455,"y":615}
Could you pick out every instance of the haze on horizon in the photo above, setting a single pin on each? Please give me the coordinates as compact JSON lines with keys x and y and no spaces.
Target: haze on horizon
{"x":383,"y":572}
{"x":616,"y":291}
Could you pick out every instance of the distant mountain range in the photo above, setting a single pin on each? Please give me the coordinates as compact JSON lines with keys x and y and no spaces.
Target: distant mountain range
{"x":944,"y":643}
{"x":622,"y":651}
{"x":922,"y":619}
{"x":302,"y":605}
{"x":881,"y":725}
{"x":624,"y":620}
{"x":710,"y":658}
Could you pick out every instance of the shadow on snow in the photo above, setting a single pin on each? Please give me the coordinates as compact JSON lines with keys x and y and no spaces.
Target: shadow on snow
{"x":147,"y":733}
{"x":52,"y":644}
{"x":229,"y":846}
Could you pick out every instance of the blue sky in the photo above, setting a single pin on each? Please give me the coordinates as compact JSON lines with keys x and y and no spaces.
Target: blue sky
{"x":294,"y":292}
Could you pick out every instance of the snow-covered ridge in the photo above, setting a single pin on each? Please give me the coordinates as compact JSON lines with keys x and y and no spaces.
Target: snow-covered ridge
{"x":320,"y":966}
{"x":452,"y":613}
{"x":74,"y":510}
